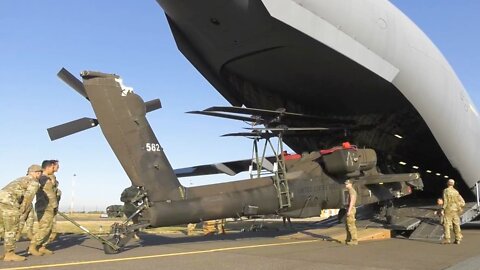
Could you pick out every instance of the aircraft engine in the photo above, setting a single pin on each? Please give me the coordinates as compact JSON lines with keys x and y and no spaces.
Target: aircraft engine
{"x":345,"y":161}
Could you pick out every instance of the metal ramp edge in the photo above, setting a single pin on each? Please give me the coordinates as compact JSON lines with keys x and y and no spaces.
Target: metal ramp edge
{"x":420,"y":219}
{"x":429,"y":230}
{"x":472,"y":211}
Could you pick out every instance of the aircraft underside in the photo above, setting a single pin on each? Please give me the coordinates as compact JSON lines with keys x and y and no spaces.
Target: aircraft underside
{"x":257,"y":61}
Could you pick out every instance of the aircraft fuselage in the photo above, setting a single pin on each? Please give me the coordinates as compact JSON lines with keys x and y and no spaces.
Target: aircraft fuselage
{"x":359,"y":60}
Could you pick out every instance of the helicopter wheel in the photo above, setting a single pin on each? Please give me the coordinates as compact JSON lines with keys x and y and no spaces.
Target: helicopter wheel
{"x":108,"y":249}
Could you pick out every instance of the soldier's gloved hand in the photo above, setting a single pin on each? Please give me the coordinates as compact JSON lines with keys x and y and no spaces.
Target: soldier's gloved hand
{"x":55,"y":211}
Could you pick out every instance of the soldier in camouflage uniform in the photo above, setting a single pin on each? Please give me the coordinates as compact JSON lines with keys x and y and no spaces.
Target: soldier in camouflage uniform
{"x":46,"y":207}
{"x":130,"y":207}
{"x":350,"y":215}
{"x":53,"y":235}
{"x":452,"y":207}
{"x":15,"y":200}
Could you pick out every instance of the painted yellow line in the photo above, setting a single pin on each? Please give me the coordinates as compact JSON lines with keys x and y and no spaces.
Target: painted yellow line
{"x":157,"y":256}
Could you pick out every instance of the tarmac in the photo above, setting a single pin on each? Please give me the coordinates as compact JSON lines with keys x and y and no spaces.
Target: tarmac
{"x":262,"y":249}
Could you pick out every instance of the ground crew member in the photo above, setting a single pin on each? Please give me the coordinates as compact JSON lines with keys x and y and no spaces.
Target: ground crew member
{"x":221,"y":226}
{"x":350,"y":226}
{"x":452,"y":207}
{"x":191,"y":228}
{"x":209,"y":227}
{"x":439,"y":212}
{"x":129,"y":206}
{"x":285,"y":220}
{"x":53,"y":235}
{"x":16,"y":199}
{"x":46,"y":207}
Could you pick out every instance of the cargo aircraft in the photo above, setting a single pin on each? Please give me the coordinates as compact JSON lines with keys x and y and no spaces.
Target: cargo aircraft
{"x":315,"y":74}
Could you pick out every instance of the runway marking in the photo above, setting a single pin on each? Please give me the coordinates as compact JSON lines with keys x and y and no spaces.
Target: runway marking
{"x":158,"y":256}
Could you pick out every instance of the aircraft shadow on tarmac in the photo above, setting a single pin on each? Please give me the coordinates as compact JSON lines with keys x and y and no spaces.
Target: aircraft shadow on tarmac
{"x":64,"y":241}
{"x":69,"y":240}
{"x":148,"y":239}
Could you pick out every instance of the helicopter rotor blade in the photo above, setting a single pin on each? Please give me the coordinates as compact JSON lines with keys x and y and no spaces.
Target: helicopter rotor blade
{"x":71,"y":127}
{"x":72,"y":81}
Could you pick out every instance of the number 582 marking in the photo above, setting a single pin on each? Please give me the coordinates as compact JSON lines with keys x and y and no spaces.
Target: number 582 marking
{"x":152,"y":147}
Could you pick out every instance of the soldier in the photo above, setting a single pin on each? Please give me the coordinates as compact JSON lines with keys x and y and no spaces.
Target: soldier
{"x":191,"y":228}
{"x":128,"y":195}
{"x":350,"y":215}
{"x":439,"y":211}
{"x":209,"y":227}
{"x":285,"y":220}
{"x":452,"y":207}
{"x":15,"y":200}
{"x":53,"y":235}
{"x":46,"y":207}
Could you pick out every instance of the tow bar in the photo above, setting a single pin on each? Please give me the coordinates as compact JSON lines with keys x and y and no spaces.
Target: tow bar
{"x":104,"y":241}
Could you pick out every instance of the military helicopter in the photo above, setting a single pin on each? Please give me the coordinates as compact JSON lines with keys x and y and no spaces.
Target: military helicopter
{"x":291,"y":185}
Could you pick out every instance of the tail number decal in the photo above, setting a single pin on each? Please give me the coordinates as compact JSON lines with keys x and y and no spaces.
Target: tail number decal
{"x":153,"y":147}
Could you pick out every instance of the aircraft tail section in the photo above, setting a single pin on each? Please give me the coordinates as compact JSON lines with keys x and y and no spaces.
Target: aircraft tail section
{"x":121,"y":115}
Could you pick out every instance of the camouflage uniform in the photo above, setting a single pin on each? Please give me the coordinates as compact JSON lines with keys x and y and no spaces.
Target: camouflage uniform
{"x":350,"y":226}
{"x":452,"y":206}
{"x":46,"y":207}
{"x":26,"y":220}
{"x":15,"y":200}
{"x":53,"y":234}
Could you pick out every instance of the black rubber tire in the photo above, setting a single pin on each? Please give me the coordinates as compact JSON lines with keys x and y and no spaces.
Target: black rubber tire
{"x":108,"y":249}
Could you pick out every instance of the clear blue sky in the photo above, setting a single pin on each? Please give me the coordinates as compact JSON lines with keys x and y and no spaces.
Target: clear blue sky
{"x":132,"y":39}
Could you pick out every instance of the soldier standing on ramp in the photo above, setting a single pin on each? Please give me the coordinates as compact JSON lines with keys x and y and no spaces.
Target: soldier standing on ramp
{"x":15,"y":200}
{"x":46,"y":207}
{"x":452,"y":206}
{"x":351,"y":211}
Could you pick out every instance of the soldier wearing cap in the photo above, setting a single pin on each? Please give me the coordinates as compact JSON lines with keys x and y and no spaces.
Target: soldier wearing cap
{"x":46,"y":207}
{"x":350,"y":226}
{"x":15,"y":200}
{"x":452,"y":207}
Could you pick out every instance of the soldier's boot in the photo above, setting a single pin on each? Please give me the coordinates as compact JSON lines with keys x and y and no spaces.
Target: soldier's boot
{"x":446,"y":241}
{"x":45,"y":251}
{"x":457,"y":242}
{"x":352,"y":243}
{"x":10,"y":256}
{"x":32,"y":249}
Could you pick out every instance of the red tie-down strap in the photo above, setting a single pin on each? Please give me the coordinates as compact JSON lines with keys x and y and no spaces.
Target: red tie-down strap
{"x":287,"y":156}
{"x":345,"y":146}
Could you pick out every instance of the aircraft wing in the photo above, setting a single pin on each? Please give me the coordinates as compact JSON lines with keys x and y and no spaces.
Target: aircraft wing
{"x":231,"y":167}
